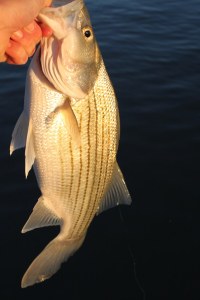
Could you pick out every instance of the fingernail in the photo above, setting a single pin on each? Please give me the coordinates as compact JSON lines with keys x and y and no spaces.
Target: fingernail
{"x":18,"y":34}
{"x":30,"y":27}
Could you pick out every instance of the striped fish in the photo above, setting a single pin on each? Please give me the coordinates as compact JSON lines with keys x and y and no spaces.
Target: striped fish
{"x":70,"y":130}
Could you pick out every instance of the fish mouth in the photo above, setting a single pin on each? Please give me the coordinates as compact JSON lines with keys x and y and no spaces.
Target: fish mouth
{"x":69,"y":13}
{"x":62,"y":10}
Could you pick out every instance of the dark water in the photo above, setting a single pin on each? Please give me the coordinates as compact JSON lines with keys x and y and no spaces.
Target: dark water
{"x":149,"y":250}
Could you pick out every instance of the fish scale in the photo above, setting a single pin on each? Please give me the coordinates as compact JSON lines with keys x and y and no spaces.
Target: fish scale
{"x":70,"y":129}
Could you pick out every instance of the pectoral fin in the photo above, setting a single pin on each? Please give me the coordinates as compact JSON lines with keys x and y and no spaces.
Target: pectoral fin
{"x":30,"y":152}
{"x":69,"y":120}
{"x":117,"y":192}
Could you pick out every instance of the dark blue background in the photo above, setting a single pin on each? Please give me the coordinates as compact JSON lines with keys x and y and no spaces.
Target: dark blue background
{"x":149,"y":250}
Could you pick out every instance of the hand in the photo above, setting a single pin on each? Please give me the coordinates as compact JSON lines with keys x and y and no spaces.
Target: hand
{"x":19,"y":32}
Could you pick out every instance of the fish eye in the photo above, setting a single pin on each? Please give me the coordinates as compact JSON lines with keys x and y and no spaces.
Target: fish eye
{"x":87,"y":31}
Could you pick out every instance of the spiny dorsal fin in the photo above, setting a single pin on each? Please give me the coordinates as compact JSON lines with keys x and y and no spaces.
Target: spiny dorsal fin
{"x":117,"y":192}
{"x":40,"y":217}
{"x":19,"y":133}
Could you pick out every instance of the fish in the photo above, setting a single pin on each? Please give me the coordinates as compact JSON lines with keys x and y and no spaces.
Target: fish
{"x":70,"y":129}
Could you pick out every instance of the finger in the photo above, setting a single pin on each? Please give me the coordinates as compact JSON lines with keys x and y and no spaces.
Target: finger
{"x":29,"y":34}
{"x":10,"y":61}
{"x":33,"y":32}
{"x":47,"y":2}
{"x":16,"y":53}
{"x":3,"y":58}
{"x":28,"y":37}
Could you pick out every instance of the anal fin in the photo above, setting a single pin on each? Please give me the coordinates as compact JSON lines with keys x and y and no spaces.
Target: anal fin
{"x":117,"y":192}
{"x":40,"y":217}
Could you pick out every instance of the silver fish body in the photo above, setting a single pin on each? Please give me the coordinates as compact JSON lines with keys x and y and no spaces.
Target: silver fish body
{"x":70,"y":128}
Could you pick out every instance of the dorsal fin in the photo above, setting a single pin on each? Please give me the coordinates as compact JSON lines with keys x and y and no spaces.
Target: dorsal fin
{"x":117,"y":192}
{"x":19,"y":133}
{"x":40,"y":217}
{"x":29,"y":152}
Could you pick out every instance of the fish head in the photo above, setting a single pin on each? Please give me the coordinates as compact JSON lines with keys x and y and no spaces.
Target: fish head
{"x":70,"y":58}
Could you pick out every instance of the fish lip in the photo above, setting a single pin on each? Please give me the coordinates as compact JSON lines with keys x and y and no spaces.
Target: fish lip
{"x":73,"y":7}
{"x":69,"y":5}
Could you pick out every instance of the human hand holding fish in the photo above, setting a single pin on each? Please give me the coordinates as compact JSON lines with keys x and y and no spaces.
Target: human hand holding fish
{"x":19,"y":32}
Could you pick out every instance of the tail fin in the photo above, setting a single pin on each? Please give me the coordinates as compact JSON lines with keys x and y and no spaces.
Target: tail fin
{"x":50,"y":259}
